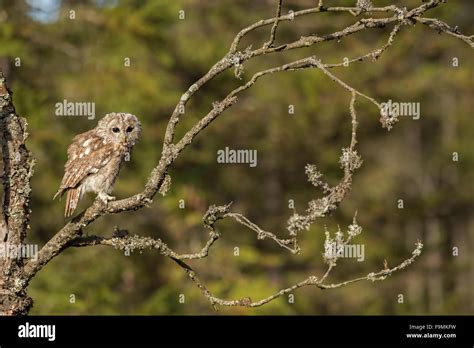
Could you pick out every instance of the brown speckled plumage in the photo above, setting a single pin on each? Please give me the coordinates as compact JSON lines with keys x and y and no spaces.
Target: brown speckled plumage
{"x":95,"y":158}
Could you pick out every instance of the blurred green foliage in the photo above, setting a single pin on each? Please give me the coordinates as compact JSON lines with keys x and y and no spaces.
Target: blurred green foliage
{"x":82,"y":59}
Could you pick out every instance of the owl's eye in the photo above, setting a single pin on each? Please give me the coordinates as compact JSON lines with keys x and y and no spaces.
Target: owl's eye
{"x":129,"y":129}
{"x":115,"y":130}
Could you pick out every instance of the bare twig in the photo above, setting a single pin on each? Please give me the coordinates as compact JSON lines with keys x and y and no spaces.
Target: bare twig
{"x":269,"y":43}
{"x":443,"y":27}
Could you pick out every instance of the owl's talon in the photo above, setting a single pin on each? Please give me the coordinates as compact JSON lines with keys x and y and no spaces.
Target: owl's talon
{"x":105,"y":198}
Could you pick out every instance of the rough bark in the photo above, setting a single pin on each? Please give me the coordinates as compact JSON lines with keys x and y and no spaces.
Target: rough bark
{"x":17,"y":171}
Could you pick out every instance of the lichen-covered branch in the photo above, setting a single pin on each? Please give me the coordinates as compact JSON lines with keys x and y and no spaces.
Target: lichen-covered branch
{"x":132,"y":243}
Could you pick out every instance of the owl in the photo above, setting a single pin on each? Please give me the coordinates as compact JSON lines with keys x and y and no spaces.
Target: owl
{"x":95,"y":158}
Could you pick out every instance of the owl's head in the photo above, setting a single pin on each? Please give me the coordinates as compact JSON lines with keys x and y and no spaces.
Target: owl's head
{"x":120,"y":128}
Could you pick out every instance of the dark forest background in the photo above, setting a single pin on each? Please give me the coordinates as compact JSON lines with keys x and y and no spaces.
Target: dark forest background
{"x":82,"y":59}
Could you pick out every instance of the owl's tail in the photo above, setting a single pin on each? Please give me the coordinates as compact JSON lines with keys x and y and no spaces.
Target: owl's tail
{"x":72,"y":198}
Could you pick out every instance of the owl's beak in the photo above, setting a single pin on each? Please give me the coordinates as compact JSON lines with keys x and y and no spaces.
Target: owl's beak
{"x":123,"y":139}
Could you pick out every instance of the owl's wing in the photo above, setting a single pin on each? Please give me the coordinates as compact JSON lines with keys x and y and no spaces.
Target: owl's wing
{"x":87,"y":154}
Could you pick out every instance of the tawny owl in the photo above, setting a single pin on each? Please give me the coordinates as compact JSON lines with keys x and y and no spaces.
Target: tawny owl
{"x":95,"y":158}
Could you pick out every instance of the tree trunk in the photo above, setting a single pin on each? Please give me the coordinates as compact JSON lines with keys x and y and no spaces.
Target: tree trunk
{"x":17,"y":170}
